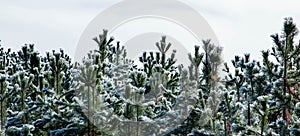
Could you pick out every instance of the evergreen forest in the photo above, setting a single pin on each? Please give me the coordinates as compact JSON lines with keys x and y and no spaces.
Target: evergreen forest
{"x":109,"y":94}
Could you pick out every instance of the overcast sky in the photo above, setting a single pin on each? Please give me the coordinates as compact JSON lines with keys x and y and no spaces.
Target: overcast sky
{"x":240,"y":26}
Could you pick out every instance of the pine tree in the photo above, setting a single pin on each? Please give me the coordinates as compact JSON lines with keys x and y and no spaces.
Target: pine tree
{"x":35,"y":105}
{"x":242,"y":91}
{"x":20,"y":83}
{"x":128,"y":90}
{"x":202,"y":118}
{"x":4,"y":59}
{"x":283,"y":74}
{"x":108,"y":94}
{"x":260,"y":99}
{"x":87,"y":76}
{"x":99,"y":76}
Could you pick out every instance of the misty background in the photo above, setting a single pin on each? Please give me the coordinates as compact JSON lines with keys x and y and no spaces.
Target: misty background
{"x":240,"y":26}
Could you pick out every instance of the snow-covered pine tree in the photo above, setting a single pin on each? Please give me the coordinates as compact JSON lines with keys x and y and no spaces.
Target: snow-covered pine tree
{"x":123,"y":86}
{"x":241,"y":108}
{"x":262,"y":100}
{"x":209,"y":96}
{"x":158,"y":81}
{"x":66,"y":115}
{"x":32,"y":109}
{"x":161,"y":87}
{"x":4,"y":63}
{"x":192,"y":121}
{"x":87,"y":91}
{"x":100,"y":77}
{"x":203,"y":115}
{"x":20,"y":86}
{"x":281,"y":65}
{"x":212,"y":62}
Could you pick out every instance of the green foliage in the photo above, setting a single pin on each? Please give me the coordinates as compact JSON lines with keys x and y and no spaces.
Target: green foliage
{"x":4,"y":59}
{"x":39,"y":96}
{"x":203,"y":114}
{"x":108,"y":94}
{"x":283,"y":73}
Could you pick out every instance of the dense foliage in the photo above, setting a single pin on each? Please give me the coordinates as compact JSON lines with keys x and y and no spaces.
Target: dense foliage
{"x":37,"y":94}
{"x":109,"y":94}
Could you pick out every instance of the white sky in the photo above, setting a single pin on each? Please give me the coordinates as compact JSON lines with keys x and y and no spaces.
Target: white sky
{"x":241,"y":26}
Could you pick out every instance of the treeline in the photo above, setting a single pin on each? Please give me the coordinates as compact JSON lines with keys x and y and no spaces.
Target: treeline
{"x":108,"y":94}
